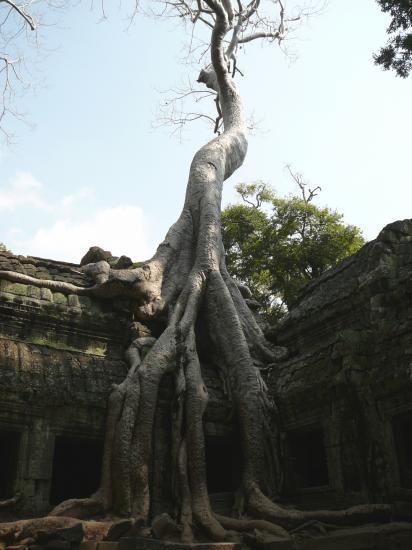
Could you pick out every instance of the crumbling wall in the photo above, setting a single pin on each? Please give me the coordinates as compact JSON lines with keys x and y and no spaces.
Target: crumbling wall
{"x":59,"y":356}
{"x":345,"y":393}
{"x":344,"y":396}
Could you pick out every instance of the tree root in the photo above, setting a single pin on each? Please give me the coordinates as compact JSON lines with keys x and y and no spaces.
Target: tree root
{"x":131,"y":410}
{"x":79,"y":508}
{"x":242,"y":525}
{"x":320,"y":526}
{"x":259,"y":505}
{"x":55,"y":286}
{"x":10,"y":503}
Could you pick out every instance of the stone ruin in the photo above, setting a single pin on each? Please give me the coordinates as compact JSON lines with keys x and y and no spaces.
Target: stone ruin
{"x":344,"y":396}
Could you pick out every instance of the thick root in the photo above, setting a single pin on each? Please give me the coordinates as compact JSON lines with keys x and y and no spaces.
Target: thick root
{"x":260,"y":506}
{"x":197,"y":398}
{"x":78,"y":508}
{"x":242,"y":525}
{"x":10,"y":503}
{"x":55,"y":286}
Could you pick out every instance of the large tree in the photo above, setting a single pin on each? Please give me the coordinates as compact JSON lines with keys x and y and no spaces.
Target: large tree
{"x":276,"y":245}
{"x":186,"y":285}
{"x":397,"y":54}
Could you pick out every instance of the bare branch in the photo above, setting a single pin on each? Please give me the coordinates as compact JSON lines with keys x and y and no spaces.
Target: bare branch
{"x":302,"y":184}
{"x":219,"y":117}
{"x":272,"y":35}
{"x":20,"y":10}
{"x":246,"y":23}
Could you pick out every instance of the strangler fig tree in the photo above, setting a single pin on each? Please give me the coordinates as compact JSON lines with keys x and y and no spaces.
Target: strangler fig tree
{"x":184,"y":285}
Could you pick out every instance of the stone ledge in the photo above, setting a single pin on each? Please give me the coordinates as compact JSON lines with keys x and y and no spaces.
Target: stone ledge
{"x":392,"y":536}
{"x":141,"y":543}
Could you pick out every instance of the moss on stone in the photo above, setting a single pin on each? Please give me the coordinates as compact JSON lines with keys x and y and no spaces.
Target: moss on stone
{"x":33,"y":292}
{"x":73,"y":301}
{"x":59,"y":298}
{"x":46,"y":294}
{"x":14,"y":288}
{"x":90,"y":350}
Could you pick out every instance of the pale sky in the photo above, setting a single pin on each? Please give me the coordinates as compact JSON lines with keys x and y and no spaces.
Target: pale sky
{"x":94,"y":171}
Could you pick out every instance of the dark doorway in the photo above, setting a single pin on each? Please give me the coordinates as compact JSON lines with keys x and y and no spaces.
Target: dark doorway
{"x":308,"y":464}
{"x":402,"y":427}
{"x":223,"y":463}
{"x":76,"y":468}
{"x":9,"y":454}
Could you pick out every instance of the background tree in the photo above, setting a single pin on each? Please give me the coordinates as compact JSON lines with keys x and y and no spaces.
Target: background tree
{"x":277,"y":245}
{"x":397,"y":54}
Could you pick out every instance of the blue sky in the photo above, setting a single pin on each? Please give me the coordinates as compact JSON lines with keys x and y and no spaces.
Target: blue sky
{"x":93,"y":170}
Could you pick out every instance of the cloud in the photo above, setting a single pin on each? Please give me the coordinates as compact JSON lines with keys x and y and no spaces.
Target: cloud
{"x":65,"y":228}
{"x":120,"y":229}
{"x":68,"y":201}
{"x":23,"y":190}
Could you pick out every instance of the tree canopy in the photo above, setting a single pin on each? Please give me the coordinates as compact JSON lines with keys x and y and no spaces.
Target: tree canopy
{"x":276,"y":245}
{"x":397,"y":54}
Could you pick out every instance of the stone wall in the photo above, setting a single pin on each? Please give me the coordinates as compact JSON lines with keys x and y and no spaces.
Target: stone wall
{"x":345,"y":393}
{"x":59,"y":356}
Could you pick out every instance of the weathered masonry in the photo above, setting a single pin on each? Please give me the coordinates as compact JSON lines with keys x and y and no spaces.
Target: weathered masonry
{"x":59,"y":356}
{"x":344,"y":396}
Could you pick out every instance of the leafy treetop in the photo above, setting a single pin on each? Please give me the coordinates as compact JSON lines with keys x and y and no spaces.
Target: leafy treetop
{"x":397,"y":54}
{"x":277,"y":245}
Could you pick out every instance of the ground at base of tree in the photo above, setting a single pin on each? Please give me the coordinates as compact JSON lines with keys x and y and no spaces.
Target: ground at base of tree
{"x":72,"y":534}
{"x":391,"y":536}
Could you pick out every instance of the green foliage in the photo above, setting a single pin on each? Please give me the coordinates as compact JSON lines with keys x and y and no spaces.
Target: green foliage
{"x":277,"y":245}
{"x":397,"y":54}
{"x":3,"y":248}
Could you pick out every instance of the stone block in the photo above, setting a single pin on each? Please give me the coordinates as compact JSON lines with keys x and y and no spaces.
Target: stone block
{"x":18,"y":289}
{"x":398,"y":541}
{"x":59,"y":298}
{"x":74,"y":533}
{"x":73,"y":300}
{"x":46,"y":294}
{"x":85,"y":302}
{"x":33,"y":292}
{"x":108,"y":545}
{"x":340,"y":541}
{"x":58,"y":545}
{"x":88,"y":545}
{"x":119,"y":529}
{"x":4,"y":285}
{"x":278,"y":545}
{"x":43,"y":274}
{"x":142,"y":543}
